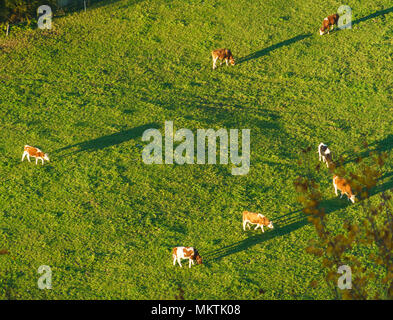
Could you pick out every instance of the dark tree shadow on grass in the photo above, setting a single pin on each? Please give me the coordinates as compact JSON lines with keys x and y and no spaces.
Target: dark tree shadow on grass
{"x":71,"y":6}
{"x":388,"y":185}
{"x":214,"y":111}
{"x":290,"y":222}
{"x":109,"y":140}
{"x":384,"y":145}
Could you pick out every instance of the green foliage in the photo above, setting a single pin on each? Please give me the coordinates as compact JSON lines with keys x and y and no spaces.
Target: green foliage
{"x":106,"y":223}
{"x":15,"y":11}
{"x":374,"y":230}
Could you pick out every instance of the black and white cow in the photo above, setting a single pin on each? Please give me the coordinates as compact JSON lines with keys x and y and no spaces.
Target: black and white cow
{"x":324,"y":154}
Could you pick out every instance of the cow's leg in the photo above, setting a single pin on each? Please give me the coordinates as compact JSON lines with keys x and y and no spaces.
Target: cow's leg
{"x":178,"y":261}
{"x":189,"y":262}
{"x":262,"y":228}
{"x":244,"y":225}
{"x":335,"y":188}
{"x":42,"y":161}
{"x":256,"y":227}
{"x":214,"y":62}
{"x":24,"y":155}
{"x":28,"y":157}
{"x":36,"y":160}
{"x":226,"y":61}
{"x":174,"y":260}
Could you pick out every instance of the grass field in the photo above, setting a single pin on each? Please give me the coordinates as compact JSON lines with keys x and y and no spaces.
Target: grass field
{"x":104,"y":221}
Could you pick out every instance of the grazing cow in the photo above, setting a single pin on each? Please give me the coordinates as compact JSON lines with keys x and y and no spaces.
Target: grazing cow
{"x":34,"y":152}
{"x":189,"y":253}
{"x":256,"y":218}
{"x":324,"y":154}
{"x":328,"y":23}
{"x":222,"y":54}
{"x":343,"y":185}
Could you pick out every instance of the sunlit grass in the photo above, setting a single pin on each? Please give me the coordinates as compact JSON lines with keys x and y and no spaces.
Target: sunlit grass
{"x":106,"y":222}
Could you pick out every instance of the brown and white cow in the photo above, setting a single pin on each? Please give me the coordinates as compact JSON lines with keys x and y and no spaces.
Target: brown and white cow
{"x":189,"y":253}
{"x":222,"y":54}
{"x":30,"y":151}
{"x":328,"y":23}
{"x":343,"y":185}
{"x":256,"y":218}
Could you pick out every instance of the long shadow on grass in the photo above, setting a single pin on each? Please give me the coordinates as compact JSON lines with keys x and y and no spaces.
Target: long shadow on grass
{"x":65,"y":7}
{"x":388,"y":185}
{"x":384,"y":145}
{"x":229,"y":112}
{"x":300,"y":37}
{"x":370,"y":16}
{"x":281,"y":44}
{"x":373,"y":15}
{"x":109,"y":140}
{"x":288,"y":223}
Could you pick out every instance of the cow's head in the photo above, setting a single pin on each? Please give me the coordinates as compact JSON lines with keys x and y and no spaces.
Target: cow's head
{"x":198,"y":259}
{"x":229,"y":56}
{"x":46,"y":157}
{"x":322,"y":31}
{"x":352,"y":198}
{"x":267,"y":223}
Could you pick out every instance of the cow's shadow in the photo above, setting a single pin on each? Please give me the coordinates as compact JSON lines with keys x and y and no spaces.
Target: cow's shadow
{"x":108,"y":140}
{"x":265,"y":51}
{"x":298,"y":220}
{"x":368,"y":17}
{"x":373,"y":15}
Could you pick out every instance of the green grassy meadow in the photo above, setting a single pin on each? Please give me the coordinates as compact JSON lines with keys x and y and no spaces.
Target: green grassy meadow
{"x":105,"y":222}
